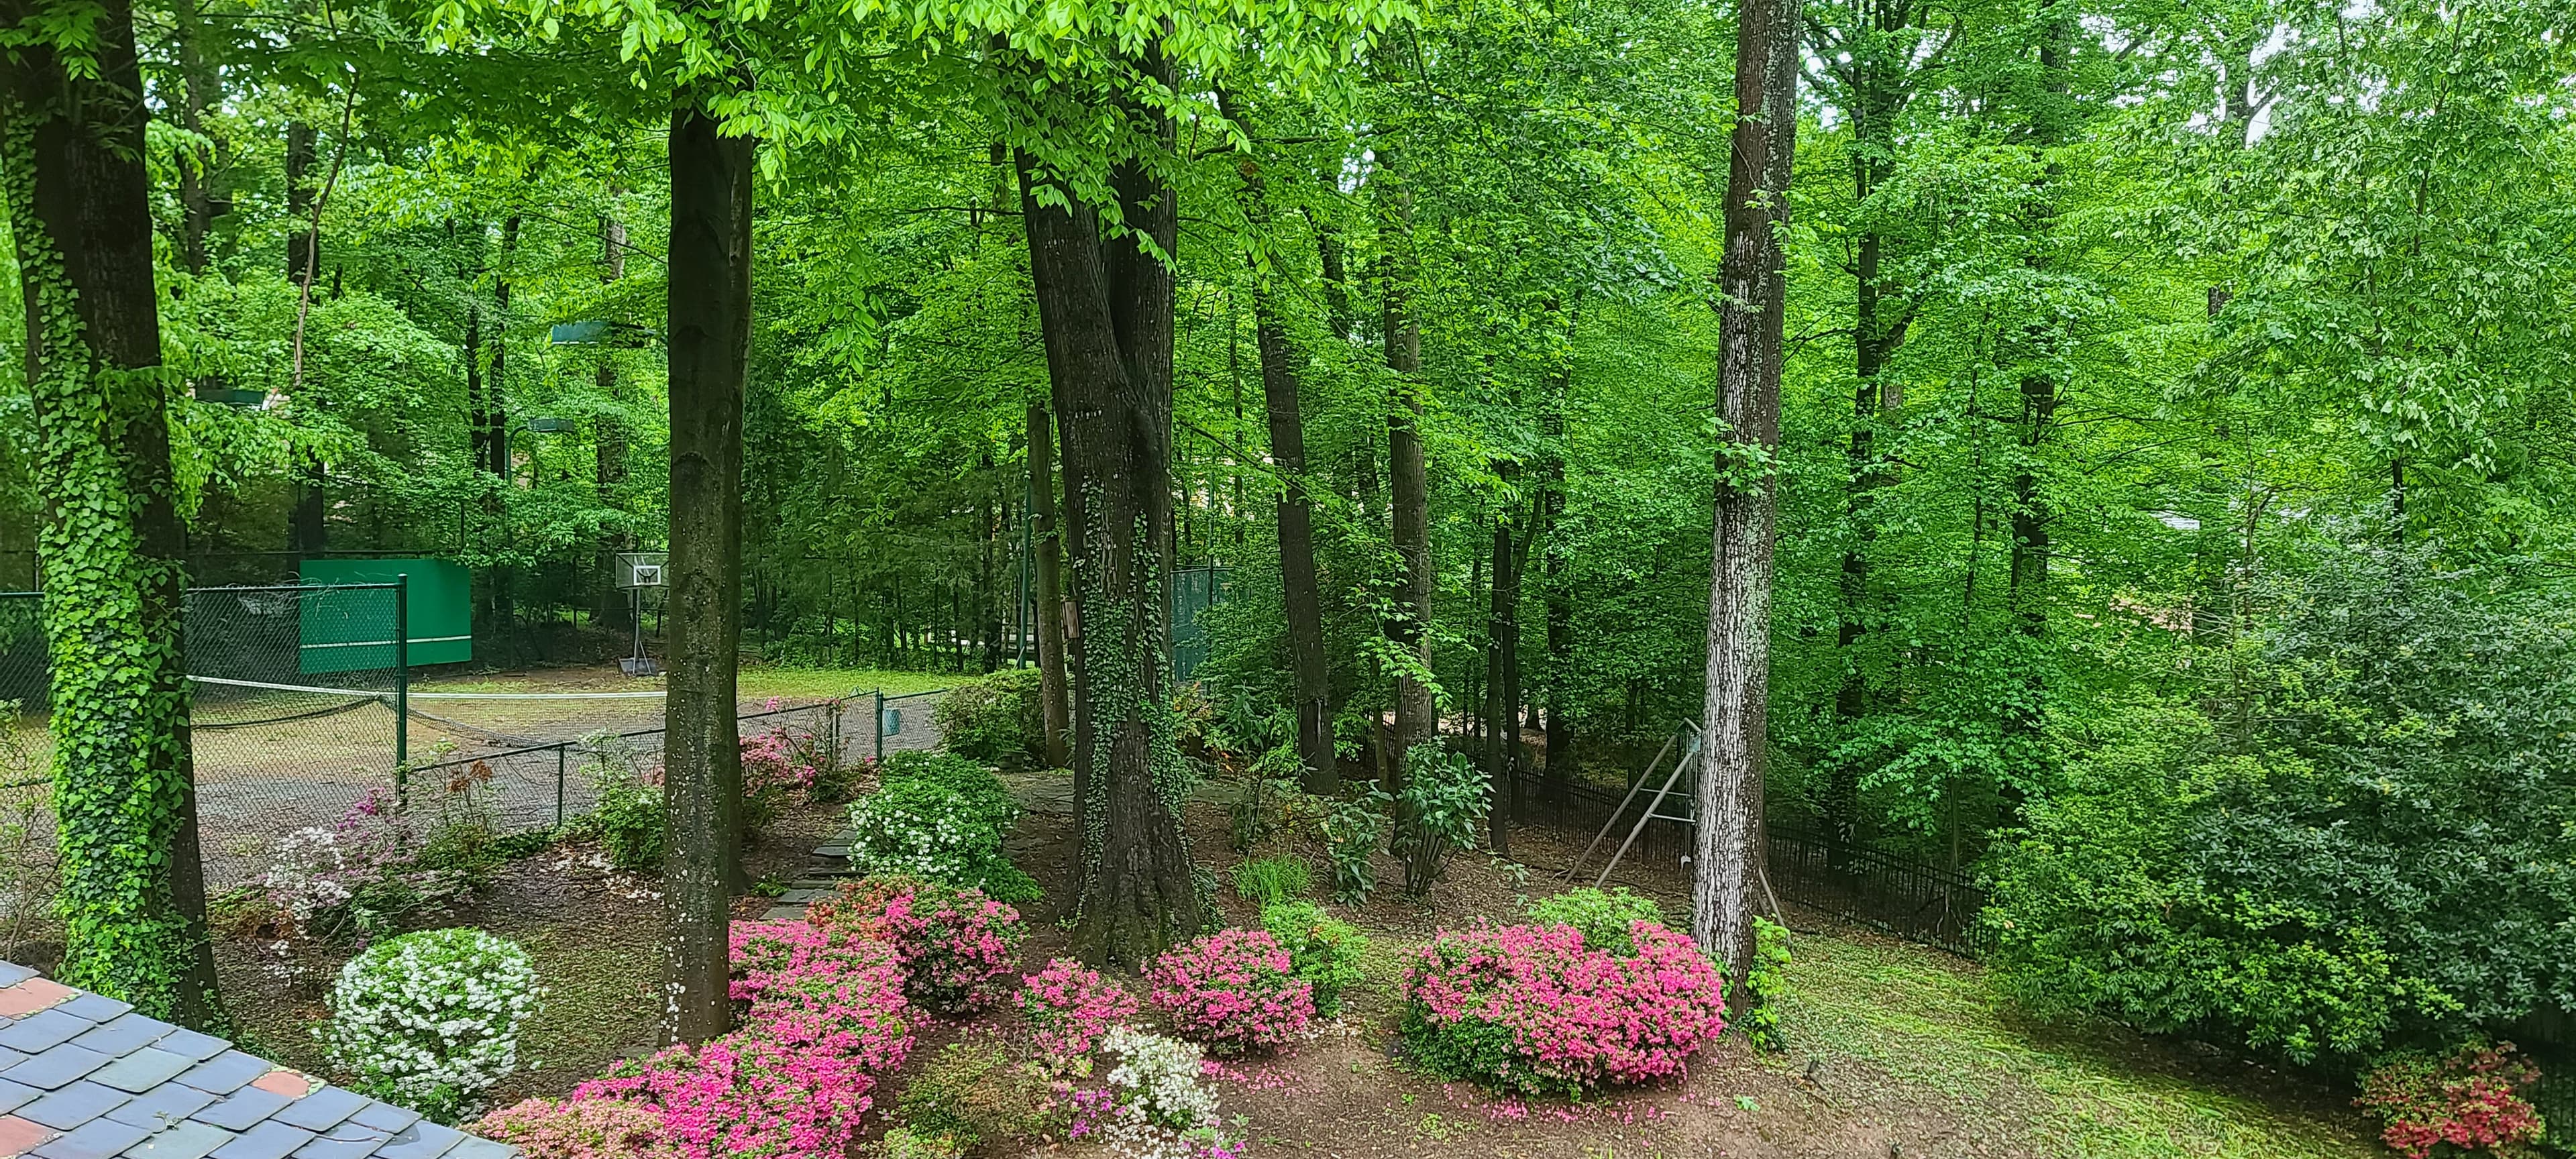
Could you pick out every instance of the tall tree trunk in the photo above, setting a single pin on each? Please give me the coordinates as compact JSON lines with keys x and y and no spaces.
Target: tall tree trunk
{"x":72,"y":170}
{"x":196,"y":162}
{"x":1754,"y":279}
{"x":609,"y":439}
{"x":2031,"y":517}
{"x":1047,"y":544}
{"x":1107,"y":309}
{"x":1301,"y":594}
{"x":1502,"y":672}
{"x":710,"y":332}
{"x":1408,"y":475}
{"x":302,"y":260}
{"x":1559,"y":737}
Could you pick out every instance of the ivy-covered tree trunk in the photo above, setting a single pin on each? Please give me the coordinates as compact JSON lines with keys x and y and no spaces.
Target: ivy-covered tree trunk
{"x":710,"y":335}
{"x":1106,"y":309}
{"x":1729,"y":847}
{"x":72,"y":159}
{"x":1055,"y":707}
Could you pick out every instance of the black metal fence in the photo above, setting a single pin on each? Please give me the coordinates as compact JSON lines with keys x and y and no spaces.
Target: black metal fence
{"x":1852,"y":882}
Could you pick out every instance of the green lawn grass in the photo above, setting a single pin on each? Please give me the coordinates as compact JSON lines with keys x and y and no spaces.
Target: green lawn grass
{"x":2087,"y":1091}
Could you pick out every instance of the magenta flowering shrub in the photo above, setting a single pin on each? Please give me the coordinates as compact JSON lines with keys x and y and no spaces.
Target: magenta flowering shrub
{"x":1531,"y":1009}
{"x":826,"y":1016}
{"x":1233,"y":991}
{"x":1070,"y":1006}
{"x":959,"y":948}
{"x":775,"y":773}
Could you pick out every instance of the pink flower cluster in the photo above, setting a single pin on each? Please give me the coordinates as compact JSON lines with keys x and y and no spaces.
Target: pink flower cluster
{"x":1529,"y":1008}
{"x":959,"y":949}
{"x":1070,"y":1006}
{"x":2471,"y":1101}
{"x":1233,"y":991}
{"x":772,"y":768}
{"x":826,"y":1017}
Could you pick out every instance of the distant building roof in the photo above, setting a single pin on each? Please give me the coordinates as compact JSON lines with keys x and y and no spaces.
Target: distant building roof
{"x":85,"y":1077}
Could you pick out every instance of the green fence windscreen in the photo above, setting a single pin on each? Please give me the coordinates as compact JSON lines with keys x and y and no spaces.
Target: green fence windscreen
{"x":351,"y":637}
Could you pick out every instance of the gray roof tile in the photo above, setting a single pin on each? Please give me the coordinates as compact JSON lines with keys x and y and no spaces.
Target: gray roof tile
{"x":385,"y":1117}
{"x":477,"y":1148}
{"x":421,"y":1140}
{"x":73,"y":1105}
{"x":55,"y":1068}
{"x":94,"y":1007}
{"x":44,"y":1030}
{"x":11,"y":973}
{"x":96,"y":1139}
{"x":322,"y":1109}
{"x":142,"y":1070}
{"x":10,"y":1058}
{"x":346,"y":1141}
{"x":16,"y":1095}
{"x":226,"y":1072}
{"x":246,"y":1106}
{"x":125,"y":1034}
{"x":162,"y":1106}
{"x":196,"y":1046}
{"x":271,"y":1140}
{"x":185,"y":1141}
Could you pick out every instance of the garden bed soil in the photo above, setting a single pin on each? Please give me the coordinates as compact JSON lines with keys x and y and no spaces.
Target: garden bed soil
{"x":1894,"y":1050}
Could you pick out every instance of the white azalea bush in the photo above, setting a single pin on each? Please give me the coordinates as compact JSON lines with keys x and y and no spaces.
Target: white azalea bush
{"x":430,"y":1020}
{"x":941,"y":818}
{"x":1156,"y":1106}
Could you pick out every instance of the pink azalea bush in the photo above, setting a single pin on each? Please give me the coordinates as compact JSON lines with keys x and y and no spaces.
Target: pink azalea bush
{"x":826,"y":1016}
{"x":1233,"y":991}
{"x":1070,"y":1006}
{"x":959,"y":948}
{"x":775,"y":773}
{"x":1530,"y":1009}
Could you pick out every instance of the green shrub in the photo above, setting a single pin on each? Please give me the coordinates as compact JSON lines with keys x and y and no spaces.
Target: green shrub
{"x":1443,"y":811}
{"x":941,"y":818}
{"x":1768,"y":983}
{"x":431,"y":1020}
{"x":1270,"y":799}
{"x":973,"y":1091}
{"x":1325,"y":950}
{"x":1272,"y":879}
{"x":629,"y":817}
{"x":1001,"y":717}
{"x":1353,"y":827}
{"x":1605,"y":919}
{"x":907,"y":1143}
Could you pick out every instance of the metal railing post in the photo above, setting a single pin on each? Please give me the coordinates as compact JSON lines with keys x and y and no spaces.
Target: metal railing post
{"x":877,"y":725}
{"x":559,"y":786}
{"x":402,"y":689}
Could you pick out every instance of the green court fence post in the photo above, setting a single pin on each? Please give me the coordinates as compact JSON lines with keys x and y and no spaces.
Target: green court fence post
{"x":877,"y":724}
{"x":402,"y":688}
{"x":559,"y":782}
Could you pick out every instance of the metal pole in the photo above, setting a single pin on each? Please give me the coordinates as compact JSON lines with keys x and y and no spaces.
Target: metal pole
{"x":876,"y":724}
{"x":1606,"y":825}
{"x":559,"y":786}
{"x":1649,"y":814}
{"x":402,"y":688}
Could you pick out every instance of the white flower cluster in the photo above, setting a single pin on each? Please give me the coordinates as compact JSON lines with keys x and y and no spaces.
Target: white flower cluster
{"x":1164,"y":1111}
{"x":306,"y":873}
{"x":897,"y":840}
{"x":431,"y":1020}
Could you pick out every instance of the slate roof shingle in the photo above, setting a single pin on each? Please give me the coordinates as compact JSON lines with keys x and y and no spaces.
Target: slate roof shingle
{"x":86,"y":1077}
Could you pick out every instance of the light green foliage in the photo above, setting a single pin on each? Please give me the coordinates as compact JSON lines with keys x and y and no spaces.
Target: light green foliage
{"x":1271,"y":799}
{"x":994,"y":718}
{"x":430,"y":1020}
{"x":630,"y":819}
{"x":1605,"y":918}
{"x":1265,"y":880}
{"x":1354,"y":827}
{"x":1326,"y":950}
{"x":1768,"y":980}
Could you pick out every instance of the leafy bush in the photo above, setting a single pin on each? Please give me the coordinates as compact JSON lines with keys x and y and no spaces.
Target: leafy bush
{"x":633,"y":829}
{"x":973,"y":1091}
{"x":940,"y":818}
{"x":1603,"y":917}
{"x":1441,"y":810}
{"x":1768,"y":981}
{"x":1233,"y":991}
{"x":958,"y":948}
{"x":1531,"y":1009}
{"x":1270,"y":799}
{"x":1155,"y":1103}
{"x":793,"y":1082}
{"x":1353,"y":828}
{"x":996,"y":718}
{"x":2370,"y":852}
{"x":431,"y":1020}
{"x":777,"y":772}
{"x":2471,"y":1100}
{"x":907,"y":1143}
{"x":1070,"y":1006}
{"x":1272,"y":879}
{"x":1323,"y":950}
